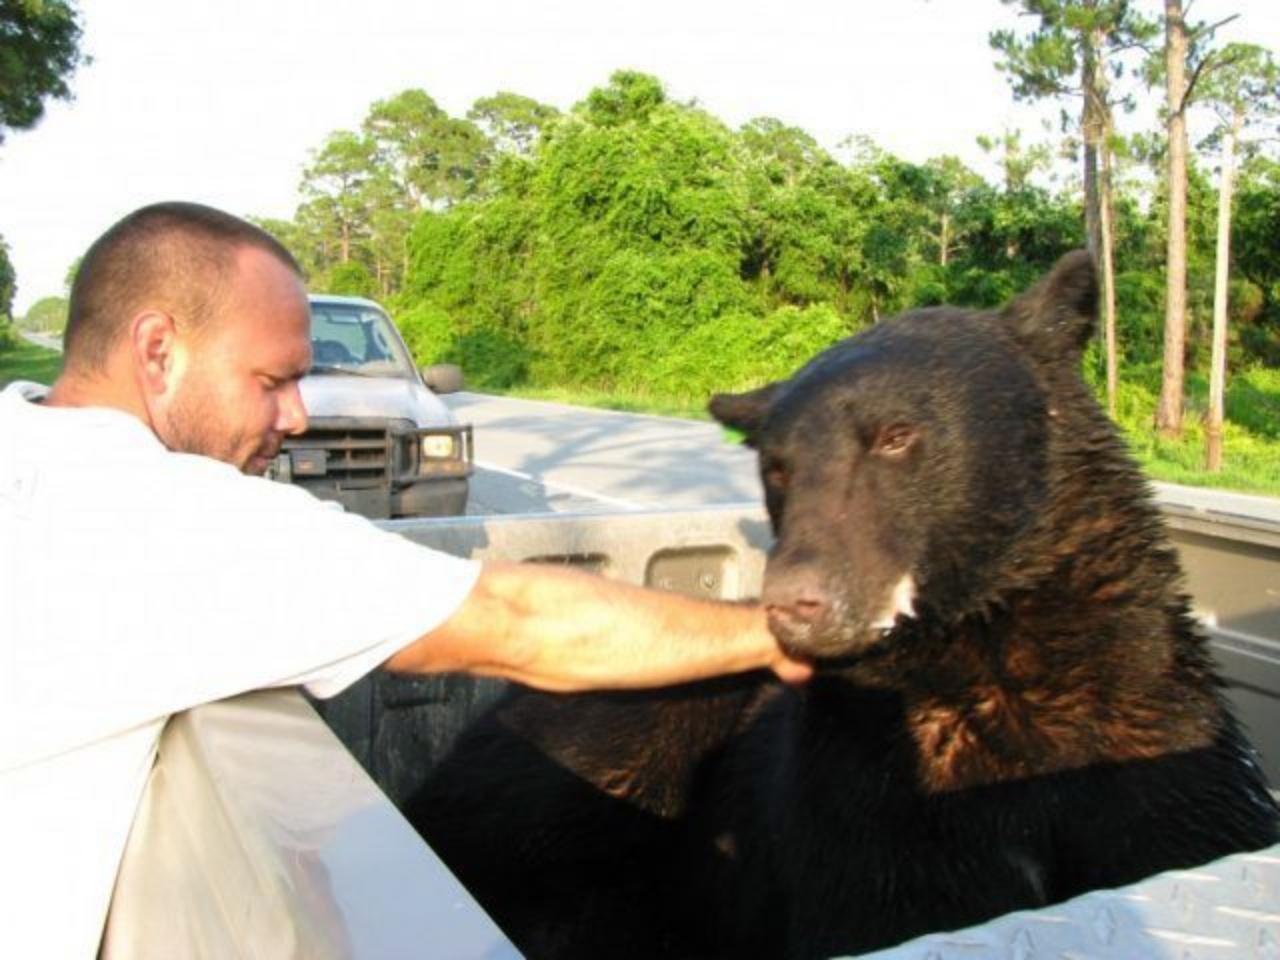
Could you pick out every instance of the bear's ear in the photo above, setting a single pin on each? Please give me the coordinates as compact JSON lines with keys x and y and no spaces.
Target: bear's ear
{"x":1056,"y":317}
{"x":745,"y":412}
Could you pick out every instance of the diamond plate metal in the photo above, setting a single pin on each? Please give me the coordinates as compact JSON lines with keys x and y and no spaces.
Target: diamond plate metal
{"x":1227,"y":910}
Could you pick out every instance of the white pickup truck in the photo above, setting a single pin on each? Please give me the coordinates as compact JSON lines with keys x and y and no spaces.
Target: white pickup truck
{"x":379,"y":441}
{"x":261,"y":836}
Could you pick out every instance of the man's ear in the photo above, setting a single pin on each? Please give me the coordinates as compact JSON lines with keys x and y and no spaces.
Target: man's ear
{"x":153,"y":339}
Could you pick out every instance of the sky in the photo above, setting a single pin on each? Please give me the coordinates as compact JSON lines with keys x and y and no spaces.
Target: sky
{"x":223,"y":101}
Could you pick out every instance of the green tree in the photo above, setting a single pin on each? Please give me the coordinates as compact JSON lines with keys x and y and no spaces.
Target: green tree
{"x":513,"y":124}
{"x":426,"y":160}
{"x":1255,"y":225}
{"x":897,"y":240}
{"x":8,"y":287}
{"x":293,"y":236}
{"x":433,"y":158}
{"x":629,"y":97}
{"x":365,"y":189}
{"x":46,"y":315}
{"x":806,"y":217}
{"x":470,"y":293}
{"x":70,"y":277}
{"x":643,"y":246}
{"x":8,"y":281}
{"x":351,"y":279}
{"x":1244,"y":91}
{"x":946,"y":181}
{"x":335,"y":182}
{"x":39,"y":52}
{"x":1168,"y":418}
{"x":1075,"y":51}
{"x":640,"y":235}
{"x":388,"y":234}
{"x":1183,"y":65}
{"x":399,"y":130}
{"x":1012,"y":237}
{"x":1018,"y":162}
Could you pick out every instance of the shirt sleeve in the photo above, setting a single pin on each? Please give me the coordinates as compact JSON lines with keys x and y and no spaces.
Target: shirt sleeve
{"x":320,"y":596}
{"x":192,"y":582}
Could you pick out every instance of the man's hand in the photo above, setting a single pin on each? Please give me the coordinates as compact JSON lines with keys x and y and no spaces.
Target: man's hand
{"x":561,"y":629}
{"x":791,"y":671}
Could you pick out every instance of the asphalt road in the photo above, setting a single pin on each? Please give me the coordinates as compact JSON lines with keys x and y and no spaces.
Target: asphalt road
{"x":537,"y":457}
{"x":47,"y":340}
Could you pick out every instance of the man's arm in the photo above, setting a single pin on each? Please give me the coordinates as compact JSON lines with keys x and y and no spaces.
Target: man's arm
{"x":561,"y":629}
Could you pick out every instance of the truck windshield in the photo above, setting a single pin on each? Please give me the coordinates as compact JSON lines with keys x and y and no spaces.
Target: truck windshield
{"x":354,"y":338}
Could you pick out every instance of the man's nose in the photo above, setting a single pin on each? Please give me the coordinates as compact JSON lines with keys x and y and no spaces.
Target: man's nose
{"x":292,"y":417}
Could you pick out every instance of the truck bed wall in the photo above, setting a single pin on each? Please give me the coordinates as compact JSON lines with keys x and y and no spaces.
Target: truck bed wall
{"x":260,"y":836}
{"x":398,"y":728}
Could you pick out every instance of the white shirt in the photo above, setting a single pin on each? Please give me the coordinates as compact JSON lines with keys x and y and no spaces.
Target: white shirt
{"x":135,"y":583}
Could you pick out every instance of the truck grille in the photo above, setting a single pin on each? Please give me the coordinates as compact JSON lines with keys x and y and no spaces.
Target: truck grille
{"x":350,"y":453}
{"x":355,"y":455}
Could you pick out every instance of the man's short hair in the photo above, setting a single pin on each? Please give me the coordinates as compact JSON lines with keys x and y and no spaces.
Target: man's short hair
{"x":169,"y":256}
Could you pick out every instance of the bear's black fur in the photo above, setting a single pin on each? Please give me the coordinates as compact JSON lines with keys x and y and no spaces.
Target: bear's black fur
{"x":1013,"y":704}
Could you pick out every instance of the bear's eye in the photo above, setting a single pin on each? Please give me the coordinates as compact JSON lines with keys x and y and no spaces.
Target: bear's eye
{"x":894,"y":441}
{"x":776,"y":475}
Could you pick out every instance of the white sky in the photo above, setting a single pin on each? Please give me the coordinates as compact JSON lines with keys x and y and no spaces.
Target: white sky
{"x":222,"y":101}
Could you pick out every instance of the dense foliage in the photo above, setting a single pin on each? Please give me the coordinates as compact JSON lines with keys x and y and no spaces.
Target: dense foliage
{"x":646,"y":247}
{"x":7,"y":289}
{"x":638,"y":245}
{"x":39,"y":51}
{"x":20,"y":360}
{"x":46,"y":315}
{"x":8,"y":280}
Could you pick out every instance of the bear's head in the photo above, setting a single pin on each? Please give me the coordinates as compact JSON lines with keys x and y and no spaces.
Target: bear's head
{"x":906,"y":468}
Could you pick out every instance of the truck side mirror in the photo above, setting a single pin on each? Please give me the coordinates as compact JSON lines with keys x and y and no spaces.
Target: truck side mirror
{"x":443,"y":377}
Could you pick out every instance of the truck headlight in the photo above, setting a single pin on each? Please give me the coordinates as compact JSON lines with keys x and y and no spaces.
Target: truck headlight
{"x":439,"y":446}
{"x":435,"y":452}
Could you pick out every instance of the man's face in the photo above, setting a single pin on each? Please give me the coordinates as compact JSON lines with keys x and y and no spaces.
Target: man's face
{"x":235,"y":395}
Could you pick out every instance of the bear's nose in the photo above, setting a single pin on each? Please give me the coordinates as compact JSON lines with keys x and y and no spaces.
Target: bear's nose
{"x":796,"y":603}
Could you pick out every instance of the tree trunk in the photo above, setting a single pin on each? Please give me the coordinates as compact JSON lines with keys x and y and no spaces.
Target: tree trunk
{"x":1095,"y":126}
{"x":1091,"y":135}
{"x":1218,"y":367}
{"x":1169,"y":412}
{"x":1107,"y":239}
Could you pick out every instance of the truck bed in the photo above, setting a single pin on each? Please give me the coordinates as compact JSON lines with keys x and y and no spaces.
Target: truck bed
{"x":261,"y":835}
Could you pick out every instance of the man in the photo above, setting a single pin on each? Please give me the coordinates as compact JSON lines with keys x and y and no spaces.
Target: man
{"x":144,"y":569}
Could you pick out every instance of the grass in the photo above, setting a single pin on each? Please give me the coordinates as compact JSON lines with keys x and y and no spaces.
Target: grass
{"x":1251,"y":464}
{"x":623,"y":402}
{"x":26,"y":361}
{"x":1251,"y":433}
{"x":1251,"y":444}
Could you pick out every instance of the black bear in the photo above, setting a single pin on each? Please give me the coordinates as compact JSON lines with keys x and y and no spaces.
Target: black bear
{"x":1013,"y":704}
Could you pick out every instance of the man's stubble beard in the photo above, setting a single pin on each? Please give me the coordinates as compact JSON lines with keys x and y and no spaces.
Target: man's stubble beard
{"x":194,"y":425}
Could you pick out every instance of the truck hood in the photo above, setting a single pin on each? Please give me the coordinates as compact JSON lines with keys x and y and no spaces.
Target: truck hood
{"x":336,"y":395}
